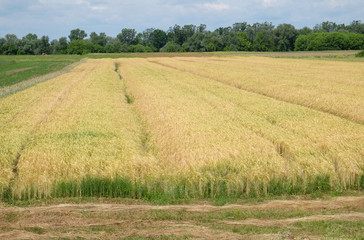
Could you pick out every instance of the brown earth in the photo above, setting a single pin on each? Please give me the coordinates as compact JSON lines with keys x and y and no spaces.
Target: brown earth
{"x":117,"y":221}
{"x":17,"y":70}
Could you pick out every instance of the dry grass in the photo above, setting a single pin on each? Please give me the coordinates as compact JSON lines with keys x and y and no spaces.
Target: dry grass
{"x":334,"y":87}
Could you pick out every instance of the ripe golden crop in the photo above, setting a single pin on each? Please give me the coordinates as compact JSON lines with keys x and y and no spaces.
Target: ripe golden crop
{"x":183,"y":127}
{"x":222,"y":133}
{"x":333,"y":87}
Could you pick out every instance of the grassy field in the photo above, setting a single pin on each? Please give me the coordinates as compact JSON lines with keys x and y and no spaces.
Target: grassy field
{"x":186,"y":127}
{"x":15,"y":69}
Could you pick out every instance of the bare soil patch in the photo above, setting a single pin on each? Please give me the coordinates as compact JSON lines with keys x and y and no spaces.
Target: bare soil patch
{"x":117,"y":221}
{"x":284,"y":222}
{"x":18,"y":70}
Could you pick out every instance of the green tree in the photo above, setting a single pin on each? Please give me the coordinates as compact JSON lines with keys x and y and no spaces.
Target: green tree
{"x":11,"y":45}
{"x":223,"y":31}
{"x":301,"y":43}
{"x":77,"y":34}
{"x":304,"y":31}
{"x":158,"y":39}
{"x":180,"y":35}
{"x":147,"y":36}
{"x":171,"y":47}
{"x":43,"y":46}
{"x":137,"y":48}
{"x":244,"y":44}
{"x":201,"y":28}
{"x":326,"y":27}
{"x":284,"y":37}
{"x":81,"y":47}
{"x":211,"y":42}
{"x":356,"y":27}
{"x":259,"y":43}
{"x":240,"y":26}
{"x":59,"y":46}
{"x":265,"y":28}
{"x":329,"y":41}
{"x":2,"y":45}
{"x":63,"y":44}
{"x":196,"y":43}
{"x":262,"y":42}
{"x":127,"y":36}
{"x":100,"y":40}
{"x":113,"y":46}
{"x":28,"y":44}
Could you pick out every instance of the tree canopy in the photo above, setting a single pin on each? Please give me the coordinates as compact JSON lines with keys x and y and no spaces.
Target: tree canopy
{"x":241,"y":36}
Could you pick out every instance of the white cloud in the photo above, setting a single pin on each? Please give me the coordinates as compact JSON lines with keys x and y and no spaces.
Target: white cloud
{"x":98,"y":8}
{"x":216,"y":6}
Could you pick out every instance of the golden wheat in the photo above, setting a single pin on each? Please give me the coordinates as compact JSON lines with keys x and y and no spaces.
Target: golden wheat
{"x":334,"y":87}
{"x":202,"y":124}
{"x":88,"y":130}
{"x":21,"y":113}
{"x":164,"y":126}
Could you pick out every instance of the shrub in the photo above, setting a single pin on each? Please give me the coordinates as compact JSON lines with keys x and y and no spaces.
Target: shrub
{"x":360,"y":54}
{"x":329,"y":41}
{"x":170,"y":47}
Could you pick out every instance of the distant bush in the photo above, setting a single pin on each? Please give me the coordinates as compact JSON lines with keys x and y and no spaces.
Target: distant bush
{"x":137,"y":48}
{"x":329,"y":41}
{"x":82,"y":47}
{"x":360,"y":54}
{"x":171,"y":47}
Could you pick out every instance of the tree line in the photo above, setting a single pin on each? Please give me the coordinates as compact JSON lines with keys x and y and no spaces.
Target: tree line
{"x":191,"y":38}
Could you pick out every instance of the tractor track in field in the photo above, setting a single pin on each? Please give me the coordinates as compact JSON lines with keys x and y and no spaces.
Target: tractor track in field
{"x":115,"y":221}
{"x":322,"y":110}
{"x":337,"y":203}
{"x":145,"y":143}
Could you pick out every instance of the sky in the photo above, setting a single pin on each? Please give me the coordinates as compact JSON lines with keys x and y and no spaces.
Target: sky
{"x":56,"y":18}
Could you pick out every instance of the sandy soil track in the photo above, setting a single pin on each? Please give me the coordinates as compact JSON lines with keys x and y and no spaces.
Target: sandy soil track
{"x":115,"y":221}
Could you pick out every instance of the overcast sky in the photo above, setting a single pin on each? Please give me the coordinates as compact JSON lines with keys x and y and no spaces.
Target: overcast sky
{"x":55,"y":18}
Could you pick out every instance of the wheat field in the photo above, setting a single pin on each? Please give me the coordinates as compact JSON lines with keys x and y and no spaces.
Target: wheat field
{"x":333,"y":87}
{"x":186,"y":127}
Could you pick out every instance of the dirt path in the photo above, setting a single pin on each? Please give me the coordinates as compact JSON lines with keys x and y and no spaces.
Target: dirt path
{"x":118,"y":221}
{"x":339,"y":203}
{"x":283,"y":222}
